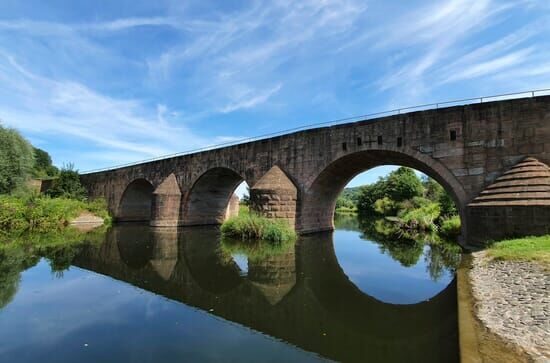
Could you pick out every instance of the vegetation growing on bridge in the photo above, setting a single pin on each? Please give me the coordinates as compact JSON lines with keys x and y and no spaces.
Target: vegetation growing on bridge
{"x":527,"y":248}
{"x":252,"y":227}
{"x":405,"y":200}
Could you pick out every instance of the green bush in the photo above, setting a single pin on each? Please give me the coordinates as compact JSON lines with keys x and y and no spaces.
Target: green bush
{"x":450,"y":227}
{"x":385,"y":206}
{"x":67,"y":184}
{"x":43,"y":214}
{"x":422,"y":217}
{"x":254,"y":227}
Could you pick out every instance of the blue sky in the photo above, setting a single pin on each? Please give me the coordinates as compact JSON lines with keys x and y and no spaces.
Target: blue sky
{"x":101,"y":83}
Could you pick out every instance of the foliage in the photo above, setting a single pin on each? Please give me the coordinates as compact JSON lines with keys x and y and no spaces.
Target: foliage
{"x":16,"y":160}
{"x":368,"y":195}
{"x":385,"y":206}
{"x":254,"y":227}
{"x":39,"y":213}
{"x":67,"y":184}
{"x":527,"y":248}
{"x":422,"y":215}
{"x":403,"y":184}
{"x":435,"y":192}
{"x":450,"y":226}
{"x":43,"y":167}
{"x":20,"y":252}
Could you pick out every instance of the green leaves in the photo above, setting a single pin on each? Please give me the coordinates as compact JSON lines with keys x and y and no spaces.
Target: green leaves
{"x":16,"y":160}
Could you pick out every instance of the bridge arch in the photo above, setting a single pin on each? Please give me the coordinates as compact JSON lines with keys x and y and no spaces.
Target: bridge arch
{"x":207,"y":201}
{"x":135,"y":203}
{"x":319,"y":200}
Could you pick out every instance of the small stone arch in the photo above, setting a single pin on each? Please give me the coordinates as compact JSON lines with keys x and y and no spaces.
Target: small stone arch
{"x":319,"y":199}
{"x":135,"y":203}
{"x":207,"y":201}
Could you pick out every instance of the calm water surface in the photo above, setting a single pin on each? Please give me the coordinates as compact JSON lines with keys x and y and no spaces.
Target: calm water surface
{"x":169,"y":295}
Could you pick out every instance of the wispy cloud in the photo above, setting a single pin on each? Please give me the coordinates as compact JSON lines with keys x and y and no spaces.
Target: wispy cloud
{"x":135,"y":84}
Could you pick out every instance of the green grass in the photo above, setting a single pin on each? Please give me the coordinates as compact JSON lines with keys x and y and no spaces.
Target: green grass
{"x":252,"y":227}
{"x":527,"y":248}
{"x":450,"y":227}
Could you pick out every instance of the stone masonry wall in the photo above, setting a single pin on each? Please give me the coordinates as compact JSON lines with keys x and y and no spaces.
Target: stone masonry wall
{"x":464,"y":147}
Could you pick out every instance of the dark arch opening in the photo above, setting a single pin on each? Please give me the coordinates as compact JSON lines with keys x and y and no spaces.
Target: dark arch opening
{"x":135,"y":204}
{"x":317,"y":213}
{"x":207,"y":201}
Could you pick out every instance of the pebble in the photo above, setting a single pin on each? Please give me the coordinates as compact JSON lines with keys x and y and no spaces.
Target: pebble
{"x":512,"y":301}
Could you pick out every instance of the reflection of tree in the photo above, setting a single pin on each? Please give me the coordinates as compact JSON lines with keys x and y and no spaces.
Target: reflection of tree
{"x":346,"y":222}
{"x":12,"y":262}
{"x":22,"y":252}
{"x":442,"y":256}
{"x":407,"y":247}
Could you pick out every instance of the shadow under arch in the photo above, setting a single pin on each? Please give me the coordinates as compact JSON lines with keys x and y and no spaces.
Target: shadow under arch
{"x":207,"y":200}
{"x":319,"y":200}
{"x":359,"y":311}
{"x":135,"y":203}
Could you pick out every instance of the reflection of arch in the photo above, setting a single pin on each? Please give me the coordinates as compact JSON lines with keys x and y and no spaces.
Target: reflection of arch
{"x":317,"y":213}
{"x":359,"y":311}
{"x":135,"y":204}
{"x":204,"y":261}
{"x":207,"y":201}
{"x":135,"y":245}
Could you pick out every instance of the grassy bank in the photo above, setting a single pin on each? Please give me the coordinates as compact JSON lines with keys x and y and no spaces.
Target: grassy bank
{"x":38,"y":213}
{"x":252,"y":227}
{"x":527,"y":248}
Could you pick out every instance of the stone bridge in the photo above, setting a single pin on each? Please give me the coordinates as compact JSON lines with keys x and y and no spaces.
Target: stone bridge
{"x":298,"y":176}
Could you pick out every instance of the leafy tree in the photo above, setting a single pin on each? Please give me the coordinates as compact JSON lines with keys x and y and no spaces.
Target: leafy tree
{"x":43,"y":166}
{"x":68,"y":184}
{"x":403,"y":184}
{"x":16,"y":160}
{"x":369,"y":194}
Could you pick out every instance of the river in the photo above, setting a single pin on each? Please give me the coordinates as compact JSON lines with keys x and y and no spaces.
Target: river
{"x":169,"y":295}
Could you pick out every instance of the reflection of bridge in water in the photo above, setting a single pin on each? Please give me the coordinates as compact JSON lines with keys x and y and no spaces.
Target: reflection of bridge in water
{"x":302,"y":297}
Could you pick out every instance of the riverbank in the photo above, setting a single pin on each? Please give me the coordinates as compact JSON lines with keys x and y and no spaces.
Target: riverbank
{"x":503,"y":309}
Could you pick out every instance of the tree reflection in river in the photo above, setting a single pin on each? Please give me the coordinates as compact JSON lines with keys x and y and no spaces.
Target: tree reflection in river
{"x":405,"y":247}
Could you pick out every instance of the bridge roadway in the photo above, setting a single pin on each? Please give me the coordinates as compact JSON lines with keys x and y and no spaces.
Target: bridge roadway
{"x":298,"y":176}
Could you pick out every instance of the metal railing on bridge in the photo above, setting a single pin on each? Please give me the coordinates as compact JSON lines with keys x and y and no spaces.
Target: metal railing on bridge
{"x":368,"y":116}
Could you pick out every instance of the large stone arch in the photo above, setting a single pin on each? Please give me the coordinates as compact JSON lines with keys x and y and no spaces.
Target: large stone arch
{"x":207,"y":200}
{"x":135,"y":203}
{"x":319,"y":198}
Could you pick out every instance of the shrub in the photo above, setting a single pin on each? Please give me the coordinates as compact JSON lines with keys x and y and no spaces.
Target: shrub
{"x":254,"y":227}
{"x":67,"y":184}
{"x":44,"y":214}
{"x":422,"y":217}
{"x":385,"y":206}
{"x":450,"y":226}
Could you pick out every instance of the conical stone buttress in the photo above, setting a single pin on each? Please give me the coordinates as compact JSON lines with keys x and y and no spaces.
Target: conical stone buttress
{"x":516,"y":204}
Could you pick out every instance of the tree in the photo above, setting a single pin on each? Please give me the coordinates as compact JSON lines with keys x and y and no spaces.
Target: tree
{"x":16,"y":160}
{"x":403,"y":184}
{"x":67,"y":184}
{"x":43,"y":166}
{"x":369,"y":194}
